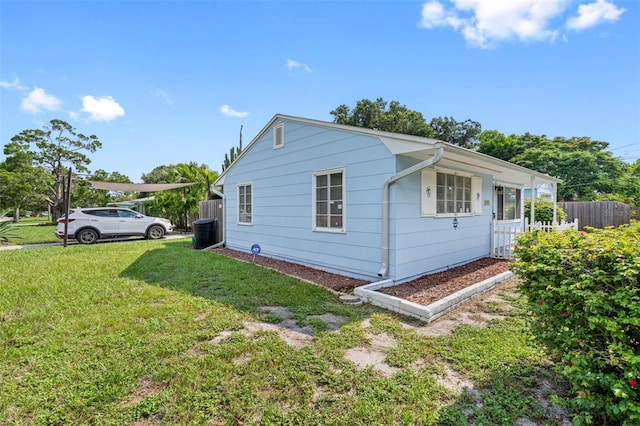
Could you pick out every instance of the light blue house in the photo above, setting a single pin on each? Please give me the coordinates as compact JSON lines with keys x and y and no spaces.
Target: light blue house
{"x":367,"y":204}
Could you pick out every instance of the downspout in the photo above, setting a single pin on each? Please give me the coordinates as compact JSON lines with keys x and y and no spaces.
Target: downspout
{"x":384,"y":266}
{"x":532,"y":209}
{"x":224,"y":222}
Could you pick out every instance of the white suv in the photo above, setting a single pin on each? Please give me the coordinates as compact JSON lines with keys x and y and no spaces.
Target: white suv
{"x":88,"y":225}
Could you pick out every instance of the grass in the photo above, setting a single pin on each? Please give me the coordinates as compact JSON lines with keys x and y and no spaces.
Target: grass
{"x":35,"y":230}
{"x":117,"y":333}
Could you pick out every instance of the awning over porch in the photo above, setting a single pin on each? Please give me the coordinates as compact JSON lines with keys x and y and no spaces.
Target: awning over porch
{"x":455,"y":156}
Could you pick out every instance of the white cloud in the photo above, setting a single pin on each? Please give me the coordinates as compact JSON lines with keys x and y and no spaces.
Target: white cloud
{"x":292,"y":64}
{"x":486,"y":23}
{"x":15,"y":84}
{"x":230,"y":112}
{"x":38,"y":100}
{"x":101,"y":109}
{"x":163,"y":95}
{"x":590,"y":15}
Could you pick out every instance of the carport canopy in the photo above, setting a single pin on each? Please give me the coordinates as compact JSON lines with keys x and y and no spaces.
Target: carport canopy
{"x":137,"y":187}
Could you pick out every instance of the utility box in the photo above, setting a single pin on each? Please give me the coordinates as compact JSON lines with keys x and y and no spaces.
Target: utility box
{"x":204,"y":233}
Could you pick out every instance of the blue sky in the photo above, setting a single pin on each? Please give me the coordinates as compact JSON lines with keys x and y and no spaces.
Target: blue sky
{"x":163,"y":82}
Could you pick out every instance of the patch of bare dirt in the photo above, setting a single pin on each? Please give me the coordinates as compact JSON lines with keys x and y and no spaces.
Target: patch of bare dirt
{"x":478,"y":312}
{"x":146,"y":387}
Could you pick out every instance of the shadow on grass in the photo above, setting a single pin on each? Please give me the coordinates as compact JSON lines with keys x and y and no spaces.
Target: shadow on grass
{"x":244,"y":286}
{"x":511,"y":395}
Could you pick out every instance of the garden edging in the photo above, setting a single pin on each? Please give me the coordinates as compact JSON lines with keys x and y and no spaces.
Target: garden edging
{"x":368,"y":293}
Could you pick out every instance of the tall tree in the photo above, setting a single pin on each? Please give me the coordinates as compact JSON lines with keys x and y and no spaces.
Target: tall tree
{"x":584,"y":165}
{"x":376,"y":115}
{"x":587,"y":169}
{"x":160,"y":174}
{"x":461,"y":133}
{"x":22,"y":187}
{"x":55,"y":148}
{"x":233,"y":154}
{"x":397,"y":118}
{"x":496,"y":144}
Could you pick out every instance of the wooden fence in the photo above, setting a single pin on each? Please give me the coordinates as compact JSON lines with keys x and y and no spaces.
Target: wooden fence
{"x":597,"y":214}
{"x":212,"y":209}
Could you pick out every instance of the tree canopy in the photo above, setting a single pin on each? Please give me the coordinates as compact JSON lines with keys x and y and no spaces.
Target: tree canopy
{"x":397,"y":118}
{"x":588,"y":170}
{"x":53,"y":149}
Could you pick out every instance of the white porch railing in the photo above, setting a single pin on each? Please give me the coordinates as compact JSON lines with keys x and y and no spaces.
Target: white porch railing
{"x":503,"y":235}
{"x":548,"y":226}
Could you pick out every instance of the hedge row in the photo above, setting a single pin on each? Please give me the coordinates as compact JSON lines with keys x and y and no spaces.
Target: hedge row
{"x":584,"y":295}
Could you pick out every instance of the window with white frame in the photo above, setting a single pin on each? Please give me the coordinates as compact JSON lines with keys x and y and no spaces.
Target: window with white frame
{"x":245,"y":204}
{"x":450,"y":193}
{"x":328,"y":203}
{"x":508,"y":203}
{"x":453,"y":194}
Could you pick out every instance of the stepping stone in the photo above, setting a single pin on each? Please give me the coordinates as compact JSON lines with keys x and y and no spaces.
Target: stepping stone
{"x":349,"y":299}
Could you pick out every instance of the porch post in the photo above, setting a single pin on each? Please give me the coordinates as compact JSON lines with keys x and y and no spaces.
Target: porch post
{"x":533,"y":198}
{"x":555,"y":203}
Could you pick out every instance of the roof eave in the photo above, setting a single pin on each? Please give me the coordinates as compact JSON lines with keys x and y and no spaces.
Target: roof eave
{"x":401,"y":144}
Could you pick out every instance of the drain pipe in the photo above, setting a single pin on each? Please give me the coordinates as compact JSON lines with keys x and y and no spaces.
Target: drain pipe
{"x":221,"y":243}
{"x":384,"y":266}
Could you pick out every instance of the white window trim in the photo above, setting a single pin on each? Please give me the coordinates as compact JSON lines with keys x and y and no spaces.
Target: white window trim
{"x":473,"y":212}
{"x":275,"y":132}
{"x":238,"y":204}
{"x":495,"y":201}
{"x":344,"y":201}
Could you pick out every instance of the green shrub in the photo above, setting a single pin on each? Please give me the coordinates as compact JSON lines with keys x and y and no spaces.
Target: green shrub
{"x":584,"y":296}
{"x":543,"y":211}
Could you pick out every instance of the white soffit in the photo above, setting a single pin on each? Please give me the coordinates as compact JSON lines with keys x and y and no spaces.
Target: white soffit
{"x":415,"y":149}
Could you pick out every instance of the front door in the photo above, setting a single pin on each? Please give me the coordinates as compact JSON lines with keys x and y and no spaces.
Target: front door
{"x":507,"y":220}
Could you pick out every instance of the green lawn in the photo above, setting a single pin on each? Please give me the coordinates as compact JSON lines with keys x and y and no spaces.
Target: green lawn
{"x":115,"y":333}
{"x":35,"y":230}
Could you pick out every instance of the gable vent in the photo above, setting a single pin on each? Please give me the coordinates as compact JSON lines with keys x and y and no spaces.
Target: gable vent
{"x":278,"y":136}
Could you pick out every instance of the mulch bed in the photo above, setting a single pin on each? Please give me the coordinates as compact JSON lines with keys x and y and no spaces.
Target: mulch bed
{"x":424,"y":290}
{"x":429,"y":288}
{"x":326,"y":279}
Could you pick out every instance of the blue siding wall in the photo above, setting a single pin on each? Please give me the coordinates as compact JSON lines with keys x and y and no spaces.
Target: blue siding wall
{"x":282,"y":199}
{"x":427,"y":244}
{"x":282,"y":183}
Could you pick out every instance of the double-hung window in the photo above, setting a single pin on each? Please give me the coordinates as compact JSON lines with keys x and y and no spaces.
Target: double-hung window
{"x":245,"y":204}
{"x":329,"y":202}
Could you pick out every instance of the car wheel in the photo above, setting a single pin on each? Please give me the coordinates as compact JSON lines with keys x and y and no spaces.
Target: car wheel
{"x":155,"y":232}
{"x":87,"y":236}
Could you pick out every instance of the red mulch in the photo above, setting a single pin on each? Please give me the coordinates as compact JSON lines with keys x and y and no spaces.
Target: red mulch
{"x":423,"y":290}
{"x":429,"y":288}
